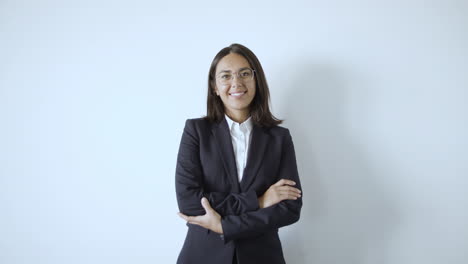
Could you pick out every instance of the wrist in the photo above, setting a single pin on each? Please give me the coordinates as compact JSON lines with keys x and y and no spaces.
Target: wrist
{"x":260,"y":201}
{"x":220,"y":227}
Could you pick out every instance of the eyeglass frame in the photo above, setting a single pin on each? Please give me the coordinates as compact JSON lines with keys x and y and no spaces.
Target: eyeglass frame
{"x":236,"y":74}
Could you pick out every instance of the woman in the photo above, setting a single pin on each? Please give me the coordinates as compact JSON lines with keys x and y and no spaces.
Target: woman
{"x":236,"y":169}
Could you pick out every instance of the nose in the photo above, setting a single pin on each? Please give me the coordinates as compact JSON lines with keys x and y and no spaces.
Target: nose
{"x":236,"y":81}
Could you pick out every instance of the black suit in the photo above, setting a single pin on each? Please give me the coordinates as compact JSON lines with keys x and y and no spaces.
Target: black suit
{"x":206,"y":167}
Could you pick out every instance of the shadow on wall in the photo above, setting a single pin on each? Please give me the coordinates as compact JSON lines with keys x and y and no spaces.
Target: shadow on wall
{"x":347,"y":216}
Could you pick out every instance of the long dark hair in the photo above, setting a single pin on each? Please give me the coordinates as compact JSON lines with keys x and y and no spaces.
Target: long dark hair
{"x":260,"y":105}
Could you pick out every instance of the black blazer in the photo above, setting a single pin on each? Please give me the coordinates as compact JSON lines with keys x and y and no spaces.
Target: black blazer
{"x":206,"y":167}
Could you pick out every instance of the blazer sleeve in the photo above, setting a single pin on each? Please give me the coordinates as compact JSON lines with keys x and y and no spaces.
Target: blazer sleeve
{"x":281,"y":214}
{"x":189,"y":182}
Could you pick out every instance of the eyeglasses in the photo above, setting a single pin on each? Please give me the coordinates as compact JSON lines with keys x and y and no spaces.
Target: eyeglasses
{"x":245,"y":74}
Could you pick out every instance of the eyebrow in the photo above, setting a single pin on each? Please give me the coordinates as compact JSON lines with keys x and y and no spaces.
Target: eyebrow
{"x":230,"y":71}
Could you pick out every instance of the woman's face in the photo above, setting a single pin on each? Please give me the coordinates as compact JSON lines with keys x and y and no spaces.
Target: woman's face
{"x":233,"y":84}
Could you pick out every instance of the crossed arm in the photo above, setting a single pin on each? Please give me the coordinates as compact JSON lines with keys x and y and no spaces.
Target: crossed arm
{"x":236,"y":215}
{"x":282,"y":190}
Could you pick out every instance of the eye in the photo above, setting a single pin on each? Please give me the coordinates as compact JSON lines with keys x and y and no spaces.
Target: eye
{"x":225,"y":76}
{"x":246,"y":73}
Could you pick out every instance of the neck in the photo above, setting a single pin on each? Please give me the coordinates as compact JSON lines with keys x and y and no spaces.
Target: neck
{"x":238,"y":116}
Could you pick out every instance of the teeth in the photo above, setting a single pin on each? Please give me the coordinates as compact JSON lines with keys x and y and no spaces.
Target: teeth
{"x":237,"y":94}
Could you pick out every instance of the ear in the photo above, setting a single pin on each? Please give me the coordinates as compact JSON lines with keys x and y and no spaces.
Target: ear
{"x":215,"y":88}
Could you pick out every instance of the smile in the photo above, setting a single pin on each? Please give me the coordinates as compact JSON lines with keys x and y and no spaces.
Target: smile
{"x":239,"y":94}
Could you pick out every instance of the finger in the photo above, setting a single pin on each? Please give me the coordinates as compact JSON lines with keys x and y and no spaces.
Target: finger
{"x":293,"y":189}
{"x":194,"y":220}
{"x":291,"y":197}
{"x":200,"y":224}
{"x":286,"y":195}
{"x":289,"y":188}
{"x":198,"y":220}
{"x":284,"y":182}
{"x":280,"y":182}
{"x":206,"y":204}
{"x":294,"y":193}
{"x":186,"y":218}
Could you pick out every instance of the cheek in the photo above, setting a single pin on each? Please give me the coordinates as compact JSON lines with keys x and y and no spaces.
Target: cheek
{"x":223,"y":93}
{"x":253,"y":90}
{"x":221,"y":89}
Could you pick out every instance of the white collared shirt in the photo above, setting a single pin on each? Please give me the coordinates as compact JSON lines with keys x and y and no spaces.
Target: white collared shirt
{"x":240,"y":135}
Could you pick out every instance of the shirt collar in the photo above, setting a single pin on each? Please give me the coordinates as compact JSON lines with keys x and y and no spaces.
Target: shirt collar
{"x":248,"y":124}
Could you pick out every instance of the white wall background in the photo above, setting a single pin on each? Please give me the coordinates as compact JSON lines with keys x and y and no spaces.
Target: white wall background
{"x":94,"y":96}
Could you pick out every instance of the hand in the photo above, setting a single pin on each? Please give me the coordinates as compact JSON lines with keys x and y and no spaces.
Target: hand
{"x":278,"y":192}
{"x":211,"y":220}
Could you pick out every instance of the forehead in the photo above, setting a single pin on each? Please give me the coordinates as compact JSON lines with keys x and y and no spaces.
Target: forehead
{"x":232,"y":62}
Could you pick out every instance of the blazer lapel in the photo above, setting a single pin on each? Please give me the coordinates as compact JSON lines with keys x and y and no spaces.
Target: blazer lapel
{"x":255,"y":156}
{"x":223,"y":139}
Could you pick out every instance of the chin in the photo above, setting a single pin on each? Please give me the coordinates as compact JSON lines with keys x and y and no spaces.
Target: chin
{"x":239,"y":107}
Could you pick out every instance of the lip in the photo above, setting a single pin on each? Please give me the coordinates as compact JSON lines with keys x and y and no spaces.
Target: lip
{"x":237,"y":94}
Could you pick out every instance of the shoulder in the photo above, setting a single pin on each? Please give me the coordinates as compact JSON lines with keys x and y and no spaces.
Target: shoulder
{"x":198,"y":125}
{"x":278,"y":131}
{"x":198,"y":122}
{"x":281,"y":135}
